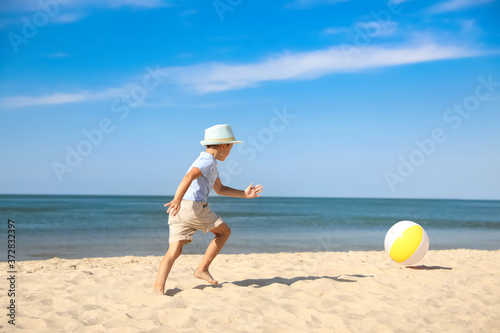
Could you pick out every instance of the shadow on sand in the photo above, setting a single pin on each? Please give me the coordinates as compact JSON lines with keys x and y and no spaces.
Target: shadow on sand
{"x":172,"y":292}
{"x":429,"y":268}
{"x":259,"y":283}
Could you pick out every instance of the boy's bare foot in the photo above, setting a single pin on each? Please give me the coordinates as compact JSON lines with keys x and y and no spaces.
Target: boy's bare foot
{"x":156,"y":290}
{"x":204,"y":275}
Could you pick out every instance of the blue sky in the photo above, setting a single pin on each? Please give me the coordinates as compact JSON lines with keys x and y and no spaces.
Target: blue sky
{"x":333,"y":98}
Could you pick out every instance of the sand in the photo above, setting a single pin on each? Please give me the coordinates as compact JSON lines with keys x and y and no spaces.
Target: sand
{"x":450,"y":291}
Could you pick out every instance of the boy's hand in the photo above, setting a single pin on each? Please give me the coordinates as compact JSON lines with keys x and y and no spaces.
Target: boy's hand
{"x":253,"y":191}
{"x":175,"y":206}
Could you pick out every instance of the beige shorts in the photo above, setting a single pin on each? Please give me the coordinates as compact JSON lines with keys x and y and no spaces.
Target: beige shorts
{"x":193,"y":216}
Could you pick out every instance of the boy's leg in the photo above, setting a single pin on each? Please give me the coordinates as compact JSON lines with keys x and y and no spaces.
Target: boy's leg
{"x":166,"y":263}
{"x":222,"y":233}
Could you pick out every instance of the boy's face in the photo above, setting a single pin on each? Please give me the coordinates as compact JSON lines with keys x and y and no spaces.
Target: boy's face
{"x":224,"y":151}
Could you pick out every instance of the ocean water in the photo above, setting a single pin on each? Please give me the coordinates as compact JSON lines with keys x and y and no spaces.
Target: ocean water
{"x":103,"y":226}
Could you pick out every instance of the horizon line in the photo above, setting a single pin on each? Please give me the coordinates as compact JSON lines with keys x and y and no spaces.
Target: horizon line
{"x":220,"y":196}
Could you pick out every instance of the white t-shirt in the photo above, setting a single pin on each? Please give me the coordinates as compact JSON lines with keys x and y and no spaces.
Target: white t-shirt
{"x":200,"y":187}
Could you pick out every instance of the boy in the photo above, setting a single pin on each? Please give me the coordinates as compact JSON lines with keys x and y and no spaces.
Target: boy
{"x":189,"y":211}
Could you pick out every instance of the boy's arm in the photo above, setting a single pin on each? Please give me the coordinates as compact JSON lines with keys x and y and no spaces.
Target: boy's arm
{"x":249,"y":193}
{"x":175,"y":204}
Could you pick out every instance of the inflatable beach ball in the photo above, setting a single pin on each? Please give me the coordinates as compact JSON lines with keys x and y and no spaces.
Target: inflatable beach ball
{"x":406,"y":242}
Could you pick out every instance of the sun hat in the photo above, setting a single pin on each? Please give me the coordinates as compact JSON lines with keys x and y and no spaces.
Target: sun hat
{"x":218,"y":135}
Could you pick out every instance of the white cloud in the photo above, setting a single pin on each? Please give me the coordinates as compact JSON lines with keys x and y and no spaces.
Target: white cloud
{"x":397,"y":2}
{"x":371,"y":28}
{"x":19,"y":5}
{"x":57,"y":18}
{"x":335,"y":31}
{"x":214,"y":77}
{"x":30,"y":5}
{"x":68,"y":18}
{"x":167,"y":103}
{"x":469,"y":26}
{"x":137,"y":3}
{"x":17,"y":102}
{"x":453,"y":5}
{"x":211,"y":77}
{"x":375,"y":29}
{"x":69,"y":11}
{"x":303,"y":4}
{"x":188,"y":12}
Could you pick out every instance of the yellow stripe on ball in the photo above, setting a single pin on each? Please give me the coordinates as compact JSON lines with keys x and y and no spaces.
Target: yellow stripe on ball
{"x":406,"y":244}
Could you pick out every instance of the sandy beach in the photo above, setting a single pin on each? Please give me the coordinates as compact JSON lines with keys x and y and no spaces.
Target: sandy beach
{"x":449,"y":291}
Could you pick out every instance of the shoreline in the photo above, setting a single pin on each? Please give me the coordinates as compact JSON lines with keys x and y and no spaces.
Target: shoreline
{"x":187,"y":252}
{"x":361,"y":291}
{"x":171,"y":196}
{"x":132,"y":256}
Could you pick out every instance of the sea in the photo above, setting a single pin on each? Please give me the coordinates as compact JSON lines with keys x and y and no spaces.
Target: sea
{"x":74,"y":227}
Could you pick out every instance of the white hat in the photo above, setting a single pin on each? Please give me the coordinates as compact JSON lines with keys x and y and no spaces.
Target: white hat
{"x":218,"y":135}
